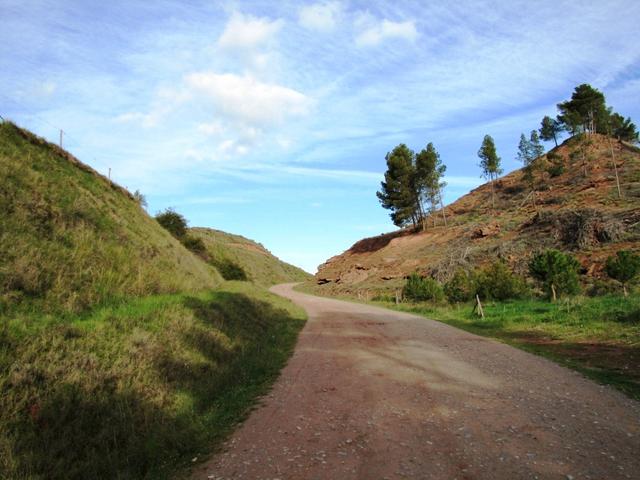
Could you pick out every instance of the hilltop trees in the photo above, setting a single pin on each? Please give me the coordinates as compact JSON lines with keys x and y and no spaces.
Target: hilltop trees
{"x":586,"y":111}
{"x":622,"y":128}
{"x":490,"y":163}
{"x":412,"y":185}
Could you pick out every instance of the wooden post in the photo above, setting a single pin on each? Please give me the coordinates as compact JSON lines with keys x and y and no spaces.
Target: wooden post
{"x":615,"y":168}
{"x":397,"y":297}
{"x":478,"y":307}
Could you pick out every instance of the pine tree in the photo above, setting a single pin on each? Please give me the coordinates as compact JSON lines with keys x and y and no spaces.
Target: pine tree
{"x":525,"y":155}
{"x":537,"y":150}
{"x":550,"y":129}
{"x":624,"y":268}
{"x":586,"y":111}
{"x":430,"y":169}
{"x":623,"y":128}
{"x":490,"y":163}
{"x":397,"y":194}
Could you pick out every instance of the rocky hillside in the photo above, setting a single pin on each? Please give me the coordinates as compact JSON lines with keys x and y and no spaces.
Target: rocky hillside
{"x":575,"y":207}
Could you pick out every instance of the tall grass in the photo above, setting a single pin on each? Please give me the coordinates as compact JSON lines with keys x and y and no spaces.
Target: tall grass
{"x":133,"y":389}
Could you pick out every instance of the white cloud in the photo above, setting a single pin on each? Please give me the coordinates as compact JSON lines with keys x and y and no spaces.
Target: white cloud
{"x":247,"y":100}
{"x":246,"y":32}
{"x":373,"y":31}
{"x":213,"y":128}
{"x":322,"y":17}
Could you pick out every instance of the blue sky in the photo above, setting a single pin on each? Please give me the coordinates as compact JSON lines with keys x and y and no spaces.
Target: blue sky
{"x":272,"y":119}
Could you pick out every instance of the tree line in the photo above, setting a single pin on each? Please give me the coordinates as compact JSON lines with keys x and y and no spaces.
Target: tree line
{"x":413,"y":185}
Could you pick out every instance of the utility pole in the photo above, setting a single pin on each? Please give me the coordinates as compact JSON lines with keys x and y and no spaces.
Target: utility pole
{"x":109,"y":173}
{"x":61,"y":133}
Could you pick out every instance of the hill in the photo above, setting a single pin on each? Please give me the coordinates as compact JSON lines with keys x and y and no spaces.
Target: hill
{"x":122,"y":353}
{"x":70,"y":238}
{"x":575,"y":207}
{"x":226,"y":250}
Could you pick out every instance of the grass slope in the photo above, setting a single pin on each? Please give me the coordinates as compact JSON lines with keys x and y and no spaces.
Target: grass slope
{"x":133,"y":390}
{"x":261,"y":267}
{"x":71,"y":239}
{"x":118,"y":358}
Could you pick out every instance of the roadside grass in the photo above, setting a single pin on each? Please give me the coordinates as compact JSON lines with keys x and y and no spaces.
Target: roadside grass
{"x":139,"y":388}
{"x":598,"y":336}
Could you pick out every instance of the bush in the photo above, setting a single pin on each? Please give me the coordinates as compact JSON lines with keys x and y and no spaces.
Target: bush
{"x":140,"y":199}
{"x":555,"y":169}
{"x":498,"y":282}
{"x":557,"y":271}
{"x":421,"y":289}
{"x":229,"y":269}
{"x":624,"y":267}
{"x":460,"y":288}
{"x":601,"y":287}
{"x":196,"y":245}
{"x":173,"y":222}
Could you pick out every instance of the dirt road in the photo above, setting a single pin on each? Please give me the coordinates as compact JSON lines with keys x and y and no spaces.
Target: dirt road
{"x":374,"y":394}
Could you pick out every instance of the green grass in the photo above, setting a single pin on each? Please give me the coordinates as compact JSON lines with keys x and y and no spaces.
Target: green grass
{"x":226,"y":250}
{"x":136,"y":389}
{"x":70,"y":239}
{"x":598,"y":336}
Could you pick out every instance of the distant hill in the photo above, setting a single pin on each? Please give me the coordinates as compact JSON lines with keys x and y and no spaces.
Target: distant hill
{"x":571,"y":210}
{"x":70,"y":238}
{"x":260,"y":265}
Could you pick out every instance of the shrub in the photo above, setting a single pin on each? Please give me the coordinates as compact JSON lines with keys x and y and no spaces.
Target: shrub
{"x":498,"y":282}
{"x":601,"y":287}
{"x":173,"y":222}
{"x":196,"y":245}
{"x":422,"y":289}
{"x":229,"y":269}
{"x":557,"y":271}
{"x":624,"y":268}
{"x":555,"y":169}
{"x":460,"y":288}
{"x":140,"y":199}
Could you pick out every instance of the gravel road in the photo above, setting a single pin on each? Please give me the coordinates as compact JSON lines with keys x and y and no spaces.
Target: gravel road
{"x":375,"y":394}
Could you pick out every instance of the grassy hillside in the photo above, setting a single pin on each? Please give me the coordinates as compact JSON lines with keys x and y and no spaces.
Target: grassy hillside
{"x":122,"y":354}
{"x":134,"y":390}
{"x":70,"y":239}
{"x":575,"y":208}
{"x":260,"y":266}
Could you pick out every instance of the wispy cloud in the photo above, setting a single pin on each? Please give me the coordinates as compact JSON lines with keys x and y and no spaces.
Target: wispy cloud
{"x":321,"y":17}
{"x":373,"y":31}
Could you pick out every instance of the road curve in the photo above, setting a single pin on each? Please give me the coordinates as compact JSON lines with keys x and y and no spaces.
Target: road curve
{"x":375,"y":394}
